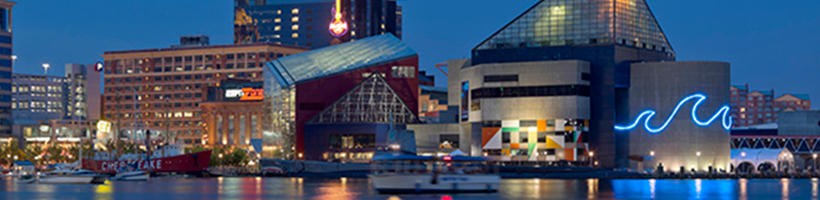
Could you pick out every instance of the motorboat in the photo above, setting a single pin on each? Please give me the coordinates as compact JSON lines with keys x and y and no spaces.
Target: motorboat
{"x":132,"y":176}
{"x":72,"y":176}
{"x":27,"y":179}
{"x":429,"y":174}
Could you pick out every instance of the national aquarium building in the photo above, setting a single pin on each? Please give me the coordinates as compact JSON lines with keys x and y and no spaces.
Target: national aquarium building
{"x":590,"y":81}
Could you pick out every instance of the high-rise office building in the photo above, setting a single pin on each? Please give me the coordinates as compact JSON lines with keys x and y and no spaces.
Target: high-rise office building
{"x":161,"y":89}
{"x":6,"y":61}
{"x":314,"y":23}
{"x":65,"y":106}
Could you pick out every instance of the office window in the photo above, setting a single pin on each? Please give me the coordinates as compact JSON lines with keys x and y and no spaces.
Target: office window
{"x":294,"y":35}
{"x":404,"y":72}
{"x":294,"y":11}
{"x":294,"y":19}
{"x":240,"y":56}
{"x":277,"y":20}
{"x":295,"y":27}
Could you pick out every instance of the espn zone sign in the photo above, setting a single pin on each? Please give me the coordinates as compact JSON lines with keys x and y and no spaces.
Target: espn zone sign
{"x":245,"y":94}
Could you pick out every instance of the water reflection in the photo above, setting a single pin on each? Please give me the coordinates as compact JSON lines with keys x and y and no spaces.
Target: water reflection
{"x":743,"y":186}
{"x":359,"y":188}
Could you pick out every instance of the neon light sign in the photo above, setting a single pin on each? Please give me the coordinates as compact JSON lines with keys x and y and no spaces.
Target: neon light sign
{"x":723,"y":113}
{"x":338,"y":27}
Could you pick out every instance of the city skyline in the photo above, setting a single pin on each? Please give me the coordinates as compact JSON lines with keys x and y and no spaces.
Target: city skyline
{"x":763,"y":42}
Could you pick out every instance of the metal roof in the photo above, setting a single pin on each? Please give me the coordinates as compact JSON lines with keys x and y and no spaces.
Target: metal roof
{"x":433,"y":89}
{"x":802,"y":96}
{"x":337,"y":59}
{"x":740,"y":87}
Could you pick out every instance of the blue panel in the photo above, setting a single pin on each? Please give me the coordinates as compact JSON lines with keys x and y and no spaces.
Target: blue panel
{"x":723,"y":113}
{"x":341,"y":58}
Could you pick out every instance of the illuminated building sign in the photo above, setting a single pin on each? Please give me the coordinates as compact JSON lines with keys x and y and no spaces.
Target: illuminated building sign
{"x":250,"y":94}
{"x":245,"y":94}
{"x":104,"y":126}
{"x":338,"y":27}
{"x":647,"y":115}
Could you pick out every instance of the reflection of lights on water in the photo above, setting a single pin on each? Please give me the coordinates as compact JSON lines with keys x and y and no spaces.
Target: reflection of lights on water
{"x":446,"y":197}
{"x":814,"y":187}
{"x":344,"y":180}
{"x":698,"y":187}
{"x":592,"y":188}
{"x":742,"y":182}
{"x":785,"y":190}
{"x":393,"y":198}
{"x":652,"y":187}
{"x":103,"y":188}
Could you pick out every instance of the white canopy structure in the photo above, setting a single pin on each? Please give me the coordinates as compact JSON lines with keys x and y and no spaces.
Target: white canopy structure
{"x":779,"y":158}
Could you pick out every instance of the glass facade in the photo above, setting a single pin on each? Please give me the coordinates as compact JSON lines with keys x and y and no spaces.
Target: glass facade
{"x":580,"y":22}
{"x":279,"y":129}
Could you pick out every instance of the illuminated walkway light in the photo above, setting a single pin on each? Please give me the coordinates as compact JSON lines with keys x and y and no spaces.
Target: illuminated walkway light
{"x":723,"y":113}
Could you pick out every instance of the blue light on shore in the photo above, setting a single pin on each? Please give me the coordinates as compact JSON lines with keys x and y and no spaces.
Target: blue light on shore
{"x":723,"y":113}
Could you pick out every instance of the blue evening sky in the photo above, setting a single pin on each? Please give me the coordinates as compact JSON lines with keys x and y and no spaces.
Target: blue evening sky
{"x":771,"y":44}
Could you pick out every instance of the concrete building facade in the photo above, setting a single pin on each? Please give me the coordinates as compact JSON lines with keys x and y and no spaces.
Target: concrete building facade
{"x":678,"y":92}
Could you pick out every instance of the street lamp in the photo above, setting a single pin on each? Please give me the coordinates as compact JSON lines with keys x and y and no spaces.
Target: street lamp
{"x":591,"y":154}
{"x":46,"y":66}
{"x":651,"y":153}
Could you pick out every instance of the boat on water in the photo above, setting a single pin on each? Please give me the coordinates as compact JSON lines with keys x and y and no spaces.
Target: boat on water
{"x":132,"y":176}
{"x":429,"y":174}
{"x":27,"y":179}
{"x":169,"y":160}
{"x":72,"y":176}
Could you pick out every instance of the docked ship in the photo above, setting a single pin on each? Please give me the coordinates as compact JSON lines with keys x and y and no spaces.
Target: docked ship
{"x":169,"y":160}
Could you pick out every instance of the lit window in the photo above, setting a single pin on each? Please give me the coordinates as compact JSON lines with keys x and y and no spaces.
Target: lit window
{"x":277,"y":28}
{"x":294,"y":27}
{"x":278,"y":12}
{"x":276,"y":36}
{"x":294,"y":11}
{"x":294,"y":35}
{"x":277,"y":20}
{"x":295,"y":19}
{"x":742,"y":109}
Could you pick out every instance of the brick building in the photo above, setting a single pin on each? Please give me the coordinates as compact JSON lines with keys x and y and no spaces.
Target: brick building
{"x":161,"y":89}
{"x":761,"y":107}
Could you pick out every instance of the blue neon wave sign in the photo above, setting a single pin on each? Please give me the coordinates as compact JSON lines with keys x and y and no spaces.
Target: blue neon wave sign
{"x":723,"y":113}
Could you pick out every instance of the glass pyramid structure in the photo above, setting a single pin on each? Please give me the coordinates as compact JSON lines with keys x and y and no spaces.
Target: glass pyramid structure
{"x":582,"y":22}
{"x":371,"y":101}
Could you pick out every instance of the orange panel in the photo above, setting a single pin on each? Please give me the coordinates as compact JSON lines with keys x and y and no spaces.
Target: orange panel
{"x":487,"y":134}
{"x":514,"y":146}
{"x":542,"y":125}
{"x":569,"y":154}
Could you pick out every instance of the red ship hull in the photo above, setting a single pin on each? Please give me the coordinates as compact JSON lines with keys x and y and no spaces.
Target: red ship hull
{"x":187,"y":163}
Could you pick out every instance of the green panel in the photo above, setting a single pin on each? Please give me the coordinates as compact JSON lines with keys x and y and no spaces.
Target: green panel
{"x":509,"y":129}
{"x":531,"y":150}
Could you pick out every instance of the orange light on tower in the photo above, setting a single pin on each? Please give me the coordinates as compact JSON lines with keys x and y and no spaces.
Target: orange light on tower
{"x":338,"y":27}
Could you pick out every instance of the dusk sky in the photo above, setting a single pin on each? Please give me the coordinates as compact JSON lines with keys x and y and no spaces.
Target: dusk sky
{"x":770,"y":44}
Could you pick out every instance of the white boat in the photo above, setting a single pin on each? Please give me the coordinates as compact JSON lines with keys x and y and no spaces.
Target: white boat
{"x":76,"y":176}
{"x":132,"y":176}
{"x":427,"y":174}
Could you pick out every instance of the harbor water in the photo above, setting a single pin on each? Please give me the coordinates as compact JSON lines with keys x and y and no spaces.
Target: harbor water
{"x":359,"y":188}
